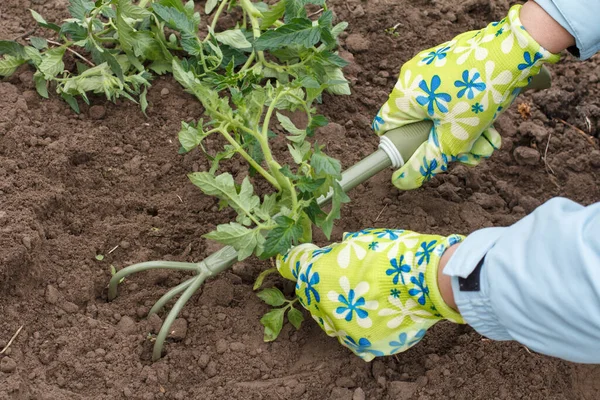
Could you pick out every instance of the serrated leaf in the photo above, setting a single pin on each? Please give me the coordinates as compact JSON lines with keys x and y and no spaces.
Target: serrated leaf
{"x":34,"y":55}
{"x":71,"y":101}
{"x":80,"y":8}
{"x":210,"y":6}
{"x":114,"y":65}
{"x":294,"y":9}
{"x":12,"y":49}
{"x":52,"y":63}
{"x":244,"y":240}
{"x":296,"y":135}
{"x":339,"y":28}
{"x":273,"y":322}
{"x":299,"y":151}
{"x":41,"y":84}
{"x":234,"y":38}
{"x":323,"y":164}
{"x":267,"y":208}
{"x":161,"y":67}
{"x":309,"y":185}
{"x":342,"y":88}
{"x":191,"y":136}
{"x":9,"y":65}
{"x":42,"y":22}
{"x":295,"y":317}
{"x":272,"y":296}
{"x":298,"y":32}
{"x":282,"y":237}
{"x":131,"y":10}
{"x":243,"y":202}
{"x":339,"y":198}
{"x":38,"y":42}
{"x":272,"y":15}
{"x":176,"y":19}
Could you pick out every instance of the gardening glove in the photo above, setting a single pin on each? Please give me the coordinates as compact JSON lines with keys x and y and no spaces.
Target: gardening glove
{"x":376,"y":291}
{"x":462,"y":85}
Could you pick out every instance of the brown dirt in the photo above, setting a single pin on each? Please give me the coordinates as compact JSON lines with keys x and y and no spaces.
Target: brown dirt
{"x":72,"y":187}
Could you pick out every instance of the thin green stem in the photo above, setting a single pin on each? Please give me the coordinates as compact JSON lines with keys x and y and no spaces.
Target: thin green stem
{"x":218,"y":14}
{"x":250,"y":160}
{"x":249,"y":62}
{"x":250,"y":9}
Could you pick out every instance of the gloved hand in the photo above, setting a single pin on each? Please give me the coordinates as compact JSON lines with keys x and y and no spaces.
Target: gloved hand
{"x":462,"y":85}
{"x":376,"y":291}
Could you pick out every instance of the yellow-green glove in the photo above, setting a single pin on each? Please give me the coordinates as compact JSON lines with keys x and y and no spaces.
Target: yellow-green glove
{"x":376,"y":291}
{"x":462,"y":85}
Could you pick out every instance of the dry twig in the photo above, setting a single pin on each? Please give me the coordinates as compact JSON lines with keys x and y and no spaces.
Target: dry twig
{"x":70,"y":50}
{"x":545,"y":158}
{"x":587,"y":137}
{"x":12,"y":339}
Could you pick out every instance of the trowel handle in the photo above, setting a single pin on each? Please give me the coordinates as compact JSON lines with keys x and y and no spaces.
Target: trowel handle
{"x":408,"y":138}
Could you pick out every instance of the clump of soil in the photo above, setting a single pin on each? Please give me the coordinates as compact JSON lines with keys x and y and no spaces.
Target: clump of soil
{"x":73,"y":187}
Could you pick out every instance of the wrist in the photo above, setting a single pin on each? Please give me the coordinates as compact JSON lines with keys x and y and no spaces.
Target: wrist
{"x":445,"y":281}
{"x":544,"y":29}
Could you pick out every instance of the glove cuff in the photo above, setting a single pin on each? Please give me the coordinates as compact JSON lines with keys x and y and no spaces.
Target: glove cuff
{"x":431,"y":278}
{"x":289,"y":264}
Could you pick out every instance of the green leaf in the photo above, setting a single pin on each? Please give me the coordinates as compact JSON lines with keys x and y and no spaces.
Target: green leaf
{"x":336,"y":74}
{"x":52,"y":63}
{"x":9,"y":65}
{"x":294,"y":9}
{"x":273,"y":322}
{"x":261,"y":277}
{"x":295,"y":317}
{"x":272,"y":15}
{"x":71,"y":101}
{"x":234,"y":38}
{"x":41,"y":84}
{"x":80,"y":8}
{"x":323,"y":164}
{"x":113,"y":64}
{"x":243,"y":202}
{"x":210,"y":6}
{"x":99,"y":257}
{"x":297,"y":135}
{"x":42,"y":22}
{"x":267,"y":208}
{"x":191,"y":136}
{"x":299,"y":151}
{"x":339,"y":28}
{"x":126,"y":31}
{"x":243,"y":239}
{"x":144,"y":100}
{"x":38,"y":42}
{"x":299,"y":32}
{"x":272,"y":297}
{"x":176,"y":19}
{"x":133,"y":11}
{"x":34,"y":55}
{"x":282,"y":237}
{"x":309,"y":185}
{"x":339,"y":197}
{"x":12,"y":49}
{"x":161,"y":67}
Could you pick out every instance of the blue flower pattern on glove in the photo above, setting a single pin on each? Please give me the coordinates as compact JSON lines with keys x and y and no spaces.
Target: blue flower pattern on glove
{"x":420,"y":290}
{"x":433,"y":99}
{"x":363,"y":346}
{"x":428,"y":168}
{"x":425,"y":253}
{"x":398,"y":269}
{"x":352,"y":305}
{"x":530,"y":62}
{"x":311,"y":279}
{"x":437,"y":54}
{"x":470,"y":85}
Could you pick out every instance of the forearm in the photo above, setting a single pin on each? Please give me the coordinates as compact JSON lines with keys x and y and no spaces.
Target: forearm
{"x":544,"y":29}
{"x":539,"y":281}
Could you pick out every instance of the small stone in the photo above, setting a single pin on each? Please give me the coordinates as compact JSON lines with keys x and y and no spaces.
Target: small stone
{"x":155,"y":323}
{"x":221,"y":346}
{"x":203,"y":360}
{"x":359,"y":394}
{"x":340,"y":394}
{"x":124,"y":244}
{"x":530,"y":128}
{"x":345,"y":381}
{"x":526,"y":155}
{"x":97,"y":112}
{"x":8,"y":365}
{"x":126,"y":325}
{"x":422,"y":381}
{"x":52,"y":294}
{"x":357,"y":43}
{"x":237,"y":346}
{"x":26,"y":240}
{"x":69,"y":307}
{"x":358,"y":11}
{"x":165,"y":92}
{"x":401,"y":390}
{"x":26,"y":79}
{"x":211,"y":369}
{"x":178,"y":329}
{"x":529,"y":203}
{"x":381,"y":381}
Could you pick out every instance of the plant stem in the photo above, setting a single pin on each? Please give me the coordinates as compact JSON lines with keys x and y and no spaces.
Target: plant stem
{"x":247,"y":5}
{"x":70,"y":50}
{"x":250,"y":160}
{"x":218,"y":14}
{"x":248,"y":62}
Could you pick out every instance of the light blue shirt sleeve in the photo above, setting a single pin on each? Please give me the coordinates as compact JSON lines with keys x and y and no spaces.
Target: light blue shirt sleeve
{"x":539,"y":282}
{"x":580,"y":18}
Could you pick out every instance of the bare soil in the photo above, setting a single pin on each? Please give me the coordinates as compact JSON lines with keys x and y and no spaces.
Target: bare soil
{"x":72,"y":187}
